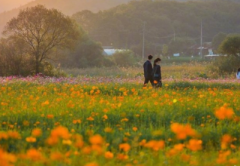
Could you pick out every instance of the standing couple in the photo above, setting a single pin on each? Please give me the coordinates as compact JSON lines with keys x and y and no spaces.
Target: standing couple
{"x":152,"y":73}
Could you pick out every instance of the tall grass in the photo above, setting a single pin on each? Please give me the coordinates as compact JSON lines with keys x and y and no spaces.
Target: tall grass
{"x":189,"y":70}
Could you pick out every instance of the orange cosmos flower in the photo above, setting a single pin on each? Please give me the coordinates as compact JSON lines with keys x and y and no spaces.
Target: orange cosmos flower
{"x":57,"y":156}
{"x":34,"y":154}
{"x":182,"y":131}
{"x":50,"y":116}
{"x":124,"y":120}
{"x":7,"y":159}
{"x":92,"y":164}
{"x":226,"y":140}
{"x":105,"y":117}
{"x":79,"y":141}
{"x":135,"y":128}
{"x":179,"y":147}
{"x":108,"y":130}
{"x":143,"y":142}
{"x":52,"y":140}
{"x":13,"y":135}
{"x":224,"y":113}
{"x":185,"y":157}
{"x":155,"y":145}
{"x":36,"y":132}
{"x":90,"y":119}
{"x":25,"y":123}
{"x":67,"y":142}
{"x":109,"y":155}
{"x":122,"y":157}
{"x":233,"y":161}
{"x":233,"y":146}
{"x":31,"y":139}
{"x":105,"y":110}
{"x":78,"y":121}
{"x":87,"y":150}
{"x":175,"y":150}
{"x":3,"y":135}
{"x":194,"y":145}
{"x":45,"y":103}
{"x":222,"y":157}
{"x":125,"y":147}
{"x":60,"y":132}
{"x":96,"y":140}
{"x":97,"y":148}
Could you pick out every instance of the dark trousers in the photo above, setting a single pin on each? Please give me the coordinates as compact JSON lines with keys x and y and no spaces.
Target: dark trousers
{"x":147,"y":79}
{"x":157,"y":82}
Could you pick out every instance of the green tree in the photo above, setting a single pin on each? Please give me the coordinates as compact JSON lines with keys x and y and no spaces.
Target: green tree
{"x":123,"y":25}
{"x":43,"y":30}
{"x":231,"y":45}
{"x":217,"y":40}
{"x":86,"y":53}
{"x":225,"y":65}
{"x":165,"y":50}
{"x":125,"y":58}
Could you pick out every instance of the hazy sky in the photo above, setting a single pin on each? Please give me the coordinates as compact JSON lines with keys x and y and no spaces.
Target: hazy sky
{"x":6,"y":5}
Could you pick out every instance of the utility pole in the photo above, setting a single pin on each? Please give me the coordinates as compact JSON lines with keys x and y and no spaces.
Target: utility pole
{"x":143,"y":44}
{"x":201,"y":42}
{"x":174,"y":34}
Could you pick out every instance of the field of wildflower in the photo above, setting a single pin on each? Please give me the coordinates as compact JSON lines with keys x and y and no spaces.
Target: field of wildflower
{"x":96,"y":121}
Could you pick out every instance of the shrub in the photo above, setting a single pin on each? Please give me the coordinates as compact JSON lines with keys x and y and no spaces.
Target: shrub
{"x":48,"y":69}
{"x":225,"y":65}
{"x":125,"y":58}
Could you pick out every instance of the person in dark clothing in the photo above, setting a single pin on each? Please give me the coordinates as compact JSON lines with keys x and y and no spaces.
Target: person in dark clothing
{"x":157,"y":75}
{"x":147,"y":66}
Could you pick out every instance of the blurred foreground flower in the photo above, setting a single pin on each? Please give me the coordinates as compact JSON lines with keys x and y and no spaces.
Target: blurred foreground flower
{"x":36,"y":132}
{"x":224,"y":113}
{"x":109,"y":155}
{"x":125,"y":147}
{"x":226,"y":141}
{"x":194,"y":145}
{"x":31,"y":139}
{"x":155,"y":145}
{"x":182,"y":131}
{"x":34,"y":155}
{"x":7,"y":159}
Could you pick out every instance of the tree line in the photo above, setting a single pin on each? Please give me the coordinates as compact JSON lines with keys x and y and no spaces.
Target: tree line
{"x":175,"y":24}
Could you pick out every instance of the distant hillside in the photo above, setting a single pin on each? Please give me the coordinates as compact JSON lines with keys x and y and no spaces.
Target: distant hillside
{"x":123,"y":25}
{"x":67,"y":7}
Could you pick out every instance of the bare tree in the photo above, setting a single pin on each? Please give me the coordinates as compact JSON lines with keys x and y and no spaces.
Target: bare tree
{"x":43,"y":30}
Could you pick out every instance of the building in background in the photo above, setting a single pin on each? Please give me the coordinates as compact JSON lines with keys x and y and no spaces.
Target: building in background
{"x":109,"y":50}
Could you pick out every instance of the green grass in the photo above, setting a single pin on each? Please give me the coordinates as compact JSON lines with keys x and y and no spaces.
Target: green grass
{"x":172,"y":70}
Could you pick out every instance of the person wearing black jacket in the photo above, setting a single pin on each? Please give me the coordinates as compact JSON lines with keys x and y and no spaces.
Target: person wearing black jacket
{"x":157,"y":75}
{"x":147,"y":66}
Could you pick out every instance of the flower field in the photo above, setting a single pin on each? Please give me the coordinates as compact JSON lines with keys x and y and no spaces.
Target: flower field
{"x":99,"y":121}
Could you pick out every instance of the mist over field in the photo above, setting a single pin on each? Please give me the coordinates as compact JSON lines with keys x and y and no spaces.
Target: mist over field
{"x":10,"y":8}
{"x":6,"y":5}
